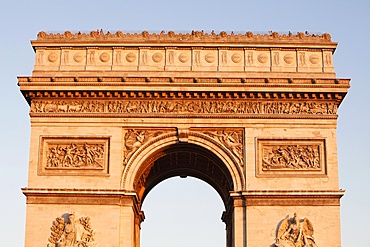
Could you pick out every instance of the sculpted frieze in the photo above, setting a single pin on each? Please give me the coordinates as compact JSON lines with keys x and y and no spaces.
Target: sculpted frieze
{"x":184,"y":107}
{"x":67,"y":231}
{"x":295,"y":232}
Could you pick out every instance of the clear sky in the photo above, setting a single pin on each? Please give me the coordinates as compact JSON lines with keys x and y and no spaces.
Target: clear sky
{"x":197,"y":221}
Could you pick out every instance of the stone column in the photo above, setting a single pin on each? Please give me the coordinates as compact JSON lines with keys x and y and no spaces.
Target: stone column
{"x":239,"y":227}
{"x":130,"y":220}
{"x":227,"y":218}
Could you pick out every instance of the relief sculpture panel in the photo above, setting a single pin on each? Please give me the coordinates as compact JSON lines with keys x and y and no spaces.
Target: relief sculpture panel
{"x":73,"y":155}
{"x":295,"y":157}
{"x":232,"y":140}
{"x":67,"y":231}
{"x":134,"y":139}
{"x":295,"y":232}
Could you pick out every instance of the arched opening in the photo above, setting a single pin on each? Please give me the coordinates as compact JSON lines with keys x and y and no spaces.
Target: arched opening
{"x":183,"y":212}
{"x":188,"y":160}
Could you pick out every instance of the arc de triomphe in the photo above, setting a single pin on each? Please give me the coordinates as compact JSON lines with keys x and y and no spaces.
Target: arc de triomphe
{"x":114,"y":114}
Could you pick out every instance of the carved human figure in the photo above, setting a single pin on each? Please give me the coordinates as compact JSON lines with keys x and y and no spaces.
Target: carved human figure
{"x":71,"y":232}
{"x":291,"y":157}
{"x":231,"y":140}
{"x":234,"y":145}
{"x":53,"y":157}
{"x":294,"y":232}
{"x":133,"y":140}
{"x":68,"y":156}
{"x":89,"y":155}
{"x":75,"y":155}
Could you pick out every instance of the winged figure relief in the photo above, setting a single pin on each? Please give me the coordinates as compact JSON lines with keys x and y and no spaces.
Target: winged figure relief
{"x":134,"y":139}
{"x":295,"y":232}
{"x":70,"y":232}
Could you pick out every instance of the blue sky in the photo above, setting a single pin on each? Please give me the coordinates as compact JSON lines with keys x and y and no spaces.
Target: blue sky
{"x":348,"y":22}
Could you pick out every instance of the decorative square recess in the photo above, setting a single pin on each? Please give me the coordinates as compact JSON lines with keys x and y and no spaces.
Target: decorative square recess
{"x":290,"y":157}
{"x":74,"y":156}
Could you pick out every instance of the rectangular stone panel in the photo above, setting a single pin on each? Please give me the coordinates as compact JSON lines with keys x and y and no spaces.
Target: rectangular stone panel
{"x":205,"y":60}
{"x":178,"y":59}
{"x":258,"y":60}
{"x":290,"y":157}
{"x":73,"y":59}
{"x":62,"y":155}
{"x":125,"y":59}
{"x":231,"y":60}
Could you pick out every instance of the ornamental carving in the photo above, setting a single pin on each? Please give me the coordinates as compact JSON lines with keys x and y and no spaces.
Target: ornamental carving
{"x":262,"y":58}
{"x":157,"y":57}
{"x":134,"y":139}
{"x":232,"y":140}
{"x":236,"y":57}
{"x":288,"y":58}
{"x":295,"y":232}
{"x":53,"y":57}
{"x":183,"y":57}
{"x":104,"y":57}
{"x":184,"y":107}
{"x":67,"y":231}
{"x":75,"y":155}
{"x":131,"y":57}
{"x":194,"y":36}
{"x":63,"y":155}
{"x":291,"y":157}
{"x":78,"y":57}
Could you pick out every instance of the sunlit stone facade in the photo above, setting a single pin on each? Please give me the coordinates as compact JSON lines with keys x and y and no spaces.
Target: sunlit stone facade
{"x":114,"y":114}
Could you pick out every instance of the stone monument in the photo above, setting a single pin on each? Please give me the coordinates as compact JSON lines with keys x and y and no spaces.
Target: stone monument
{"x":114,"y":114}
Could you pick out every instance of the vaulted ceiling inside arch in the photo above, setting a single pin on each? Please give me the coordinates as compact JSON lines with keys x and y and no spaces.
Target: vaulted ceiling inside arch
{"x":184,"y":160}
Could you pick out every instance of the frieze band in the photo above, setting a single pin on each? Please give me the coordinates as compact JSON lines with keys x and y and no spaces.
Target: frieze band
{"x":184,"y":107}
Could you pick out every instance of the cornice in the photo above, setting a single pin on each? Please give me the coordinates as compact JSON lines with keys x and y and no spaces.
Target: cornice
{"x":39,"y":191}
{"x":115,"y":197}
{"x":185,"y":95}
{"x":312,"y":193}
{"x":193,"y":80}
{"x":116,"y":86}
{"x":290,"y":197}
{"x":183,"y":116}
{"x":204,"y":97}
